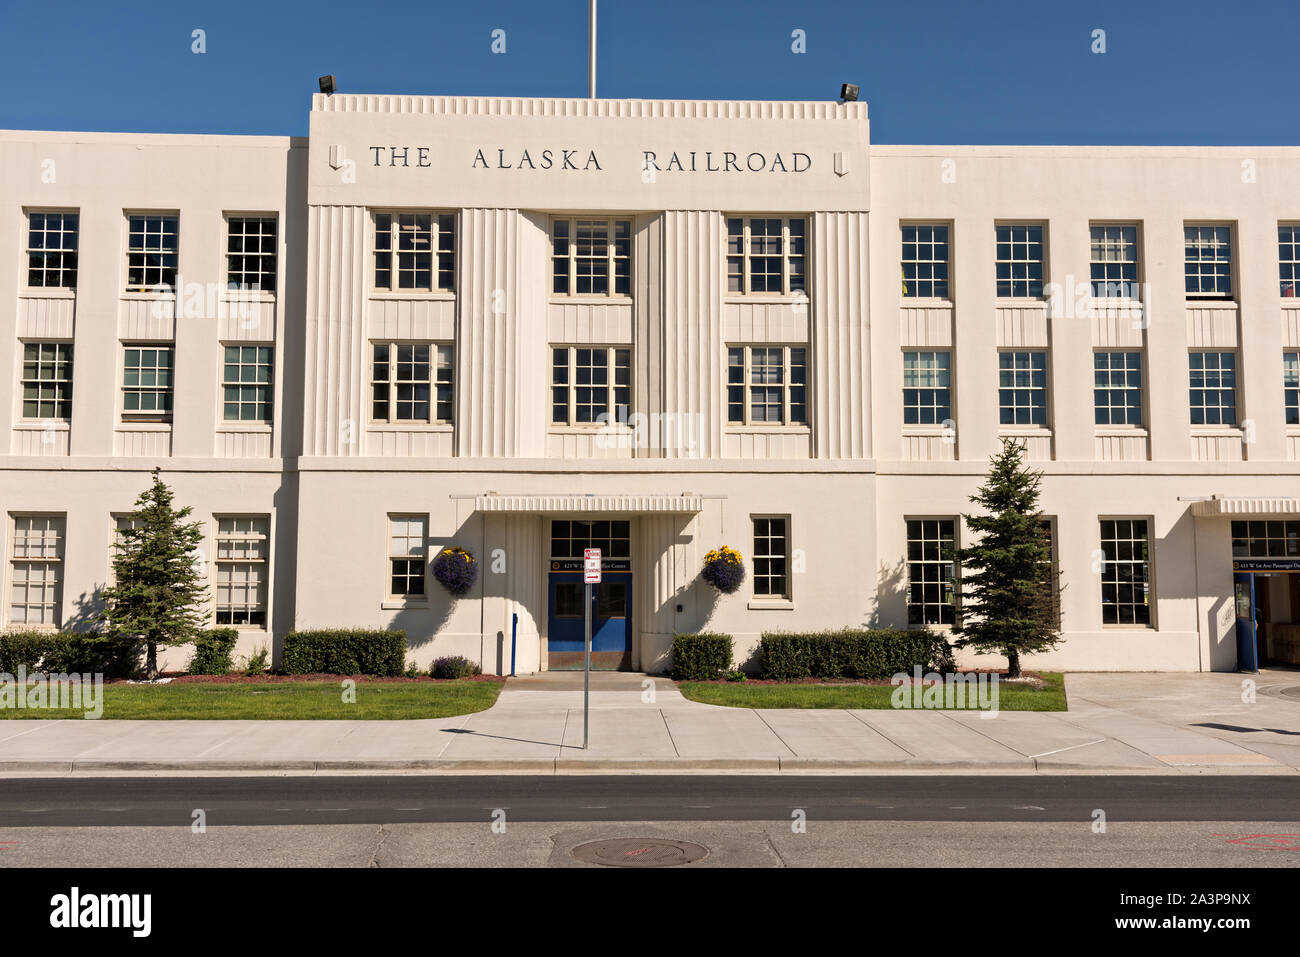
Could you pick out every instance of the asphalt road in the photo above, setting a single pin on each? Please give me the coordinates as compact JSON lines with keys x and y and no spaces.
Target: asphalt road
{"x":397,"y":799}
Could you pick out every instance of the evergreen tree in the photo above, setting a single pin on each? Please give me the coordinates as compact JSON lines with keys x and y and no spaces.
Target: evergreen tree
{"x":159,"y":597}
{"x":1010,"y":591}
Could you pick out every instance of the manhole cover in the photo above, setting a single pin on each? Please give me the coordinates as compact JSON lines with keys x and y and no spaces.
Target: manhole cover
{"x":640,"y":852}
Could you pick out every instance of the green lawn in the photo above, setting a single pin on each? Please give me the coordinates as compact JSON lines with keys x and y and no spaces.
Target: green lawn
{"x":743,"y":694}
{"x":288,"y":700}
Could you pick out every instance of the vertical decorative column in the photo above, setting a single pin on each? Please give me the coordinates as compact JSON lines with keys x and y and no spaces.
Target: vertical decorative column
{"x":840,"y":337}
{"x":336,"y":360}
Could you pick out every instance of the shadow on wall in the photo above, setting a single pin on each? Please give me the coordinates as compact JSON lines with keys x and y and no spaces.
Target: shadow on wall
{"x":891,"y":595}
{"x":88,"y":606}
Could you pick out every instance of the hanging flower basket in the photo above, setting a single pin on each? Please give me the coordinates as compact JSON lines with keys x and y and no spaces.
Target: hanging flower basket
{"x":724,"y":569}
{"x":456,"y":570}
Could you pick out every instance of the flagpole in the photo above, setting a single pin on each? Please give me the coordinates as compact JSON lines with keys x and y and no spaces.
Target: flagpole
{"x":591,"y":49}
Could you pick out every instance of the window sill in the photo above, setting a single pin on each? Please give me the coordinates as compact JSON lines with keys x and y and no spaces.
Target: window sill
{"x":40,"y":425}
{"x":914,"y":428}
{"x":1217,"y":431}
{"x":146,"y":425}
{"x":1150,"y":628}
{"x":933,"y":302}
{"x":1034,"y":431}
{"x":593,"y":299}
{"x":47,"y":292}
{"x":247,"y":295}
{"x":1213,"y":302}
{"x":1122,"y":431}
{"x":255,"y":427}
{"x":167,"y":294}
{"x":397,"y":604}
{"x":411,"y":426}
{"x":1012,"y":302}
{"x":767,"y":430}
{"x":441,"y":295}
{"x":769,"y":299}
{"x":770,"y":604}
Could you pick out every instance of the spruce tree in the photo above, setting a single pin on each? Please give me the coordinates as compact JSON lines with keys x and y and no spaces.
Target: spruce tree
{"x":158,"y":597}
{"x":1010,"y":591}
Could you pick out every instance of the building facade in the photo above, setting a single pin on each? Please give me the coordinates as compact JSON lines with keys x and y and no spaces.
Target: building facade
{"x":526,"y":327}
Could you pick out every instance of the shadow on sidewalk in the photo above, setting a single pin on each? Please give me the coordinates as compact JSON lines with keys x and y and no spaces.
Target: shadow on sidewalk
{"x":500,"y":737}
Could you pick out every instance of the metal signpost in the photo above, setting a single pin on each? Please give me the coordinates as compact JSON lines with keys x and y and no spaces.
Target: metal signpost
{"x":590,"y":576}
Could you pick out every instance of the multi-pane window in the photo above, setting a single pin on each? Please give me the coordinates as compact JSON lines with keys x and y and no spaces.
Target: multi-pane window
{"x":246,"y":384}
{"x":1212,"y":387}
{"x":147,"y":382}
{"x":52,"y":249}
{"x":1125,"y":572}
{"x":925,"y":262}
{"x":1019,"y":261}
{"x":767,"y":255}
{"x":250,"y":252}
{"x":407,"y":548}
{"x":1291,"y":386}
{"x":243,"y":549}
{"x":590,"y":384}
{"x":152,"y":245}
{"x":767,"y":385}
{"x":1114,"y":262}
{"x":570,"y":538}
{"x":931,"y":596}
{"x":1117,"y":388}
{"x":36,"y":569}
{"x":591,"y":257}
{"x":407,"y":385}
{"x":415,"y":252}
{"x":47,"y":380}
{"x":1207,"y":261}
{"x":1022,"y":388}
{"x":1051,"y":573}
{"x":1266,"y":539}
{"x":771,"y":557}
{"x":927,"y":387}
{"x":1288,"y":259}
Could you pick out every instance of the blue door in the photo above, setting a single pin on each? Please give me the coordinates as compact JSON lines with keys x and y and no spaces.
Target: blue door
{"x":1244,"y":596}
{"x":611,"y":622}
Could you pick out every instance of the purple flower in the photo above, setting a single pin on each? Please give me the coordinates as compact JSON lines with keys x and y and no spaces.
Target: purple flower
{"x":724,"y":570}
{"x":456,"y":570}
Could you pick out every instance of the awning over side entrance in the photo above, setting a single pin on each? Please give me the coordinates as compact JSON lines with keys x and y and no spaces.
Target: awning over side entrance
{"x":684,"y":504}
{"x":1224,"y":506}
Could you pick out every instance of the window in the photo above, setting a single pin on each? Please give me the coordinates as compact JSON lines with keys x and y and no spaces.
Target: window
{"x":1114,"y":262}
{"x":1022,"y":388}
{"x":1264,"y":539}
{"x":586,"y":254}
{"x":1213,"y":388}
{"x":1291,"y":386}
{"x":1117,"y":388}
{"x":408,"y":387}
{"x":242,"y":551}
{"x":1207,"y":261}
{"x":1125,"y":573}
{"x":147,"y":382}
{"x":52,"y":250}
{"x":47,"y":380}
{"x":246,"y":384}
{"x":406,"y":551}
{"x":771,"y":558}
{"x":927,"y":388}
{"x":931,"y":597}
{"x":404,"y":252}
{"x":590,"y":384}
{"x":1288,"y":259}
{"x":766,"y":256}
{"x":767,"y":385}
{"x":151,"y":252}
{"x":1020,"y":261}
{"x":250,"y":252}
{"x":1051,"y":572}
{"x":36,"y":570}
{"x":570,"y":538}
{"x":925,"y":262}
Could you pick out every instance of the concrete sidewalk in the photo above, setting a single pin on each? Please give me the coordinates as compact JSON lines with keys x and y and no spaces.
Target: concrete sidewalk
{"x":1127,"y":723}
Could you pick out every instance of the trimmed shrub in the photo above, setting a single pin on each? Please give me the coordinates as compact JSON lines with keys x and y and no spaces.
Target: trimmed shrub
{"x":212,"y":650}
{"x":701,"y":657}
{"x":454,"y":666}
{"x":345,"y":651}
{"x":67,"y":652}
{"x":851,"y":653}
{"x":25,"y":649}
{"x":456,"y":570}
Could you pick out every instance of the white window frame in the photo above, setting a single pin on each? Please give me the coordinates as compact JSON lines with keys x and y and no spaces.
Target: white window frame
{"x":1109,"y":388}
{"x":1107,"y":240}
{"x":63,"y":250}
{"x":52,"y":569}
{"x":443,"y":242}
{"x":1012,"y":261}
{"x":1149,"y":564}
{"x":1291,"y":387}
{"x":266,"y":280}
{"x":1288,"y":260}
{"x":1212,"y":243}
{"x":239,"y":384}
{"x":411,"y":554}
{"x":147,"y":415}
{"x":746,"y":254}
{"x":62,"y":386}
{"x":933,"y":372}
{"x":255,"y":557}
{"x":953,"y":581}
{"x":442,"y":374}
{"x":1220,"y":389}
{"x":787,"y":593}
{"x":174,"y":251}
{"x":616,"y":411}
{"x":614,"y":260}
{"x":1045,"y":389}
{"x":928,"y":263}
{"x":747,"y":385}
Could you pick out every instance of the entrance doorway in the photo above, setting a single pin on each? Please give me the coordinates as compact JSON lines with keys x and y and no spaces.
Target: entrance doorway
{"x":1266,"y":592}
{"x":611,"y":600}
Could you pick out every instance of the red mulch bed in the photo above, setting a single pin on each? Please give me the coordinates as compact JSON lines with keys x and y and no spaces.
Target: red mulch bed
{"x":295,"y":679}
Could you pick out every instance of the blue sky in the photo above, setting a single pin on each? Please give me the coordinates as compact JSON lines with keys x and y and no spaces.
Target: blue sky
{"x":932,"y":71}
